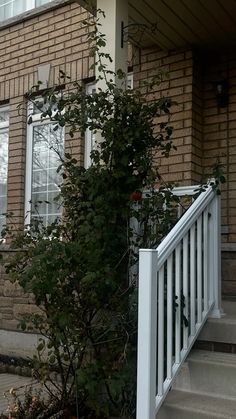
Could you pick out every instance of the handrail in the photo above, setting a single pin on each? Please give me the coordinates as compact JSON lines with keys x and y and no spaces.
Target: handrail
{"x":179,"y":279}
{"x":182,"y":226}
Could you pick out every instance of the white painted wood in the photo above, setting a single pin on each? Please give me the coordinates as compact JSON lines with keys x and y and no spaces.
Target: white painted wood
{"x":185,"y":288}
{"x":194,"y":241}
{"x":199,"y":269}
{"x":184,"y":353}
{"x":169,"y":309}
{"x":216,"y":258}
{"x":192,"y":280}
{"x":160,"y":369}
{"x":205,"y":258}
{"x":178,"y":278}
{"x":90,"y":138}
{"x":116,"y":12}
{"x":183,"y":225}
{"x":147,"y":326}
{"x":185,"y":190}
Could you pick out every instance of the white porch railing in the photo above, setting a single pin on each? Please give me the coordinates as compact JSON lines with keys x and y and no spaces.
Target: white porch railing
{"x":181,"y":278}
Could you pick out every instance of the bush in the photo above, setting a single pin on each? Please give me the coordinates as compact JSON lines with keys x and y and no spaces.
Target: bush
{"x":80,"y":269}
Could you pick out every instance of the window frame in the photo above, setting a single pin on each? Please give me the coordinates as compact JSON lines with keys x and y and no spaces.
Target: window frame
{"x":37,"y":120}
{"x":30,"y":5}
{"x":88,"y":137}
{"x":4,"y":128}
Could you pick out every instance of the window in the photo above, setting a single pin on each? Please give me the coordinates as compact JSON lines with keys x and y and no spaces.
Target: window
{"x":89,"y":135}
{"x":130,"y":81}
{"x":10,"y":8}
{"x":45,"y":148}
{"x":4,"y":125}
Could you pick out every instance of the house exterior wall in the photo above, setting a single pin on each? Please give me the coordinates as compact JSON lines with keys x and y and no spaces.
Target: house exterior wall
{"x":219,"y":128}
{"x":202,"y":131}
{"x":178,"y":85}
{"x":56,"y":37}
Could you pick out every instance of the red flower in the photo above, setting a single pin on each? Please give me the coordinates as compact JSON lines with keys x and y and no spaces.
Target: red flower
{"x":136,"y":196}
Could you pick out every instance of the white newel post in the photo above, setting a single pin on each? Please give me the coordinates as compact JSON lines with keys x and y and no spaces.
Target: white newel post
{"x":116,"y":12}
{"x":215,"y":251}
{"x":147,"y":332}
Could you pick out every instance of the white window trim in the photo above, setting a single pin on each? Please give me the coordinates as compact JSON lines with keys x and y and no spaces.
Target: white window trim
{"x":130,"y":80}
{"x":36,"y":121}
{"x":4,"y":124}
{"x":30,"y":4}
{"x":4,"y":128}
{"x":88,"y":141}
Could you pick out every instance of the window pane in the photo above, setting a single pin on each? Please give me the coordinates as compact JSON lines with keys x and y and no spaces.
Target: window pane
{"x":5,"y":9}
{"x":48,"y":148}
{"x":41,"y":2}
{"x":3,"y":175}
{"x":10,"y":8}
{"x":39,"y":106}
{"x":19,"y":6}
{"x":4,"y":116}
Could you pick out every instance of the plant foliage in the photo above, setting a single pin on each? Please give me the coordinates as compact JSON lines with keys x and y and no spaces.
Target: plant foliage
{"x":82,"y":270}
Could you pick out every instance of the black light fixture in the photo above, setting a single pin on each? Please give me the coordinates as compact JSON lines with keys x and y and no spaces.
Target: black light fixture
{"x":222,"y":93}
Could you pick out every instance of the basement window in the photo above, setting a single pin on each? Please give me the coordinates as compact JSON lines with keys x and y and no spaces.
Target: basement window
{"x":11,"y":8}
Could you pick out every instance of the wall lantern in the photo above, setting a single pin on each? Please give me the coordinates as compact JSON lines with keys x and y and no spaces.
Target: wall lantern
{"x":222,"y":93}
{"x":43,"y":75}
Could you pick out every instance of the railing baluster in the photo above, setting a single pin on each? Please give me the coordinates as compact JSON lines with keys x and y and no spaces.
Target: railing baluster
{"x":205,"y":259}
{"x":214,"y":279}
{"x":192,"y":280}
{"x":197,"y":291}
{"x":169,"y":315}
{"x":199,"y":269}
{"x":178,"y":308}
{"x":185,"y":288}
{"x":160,"y":369}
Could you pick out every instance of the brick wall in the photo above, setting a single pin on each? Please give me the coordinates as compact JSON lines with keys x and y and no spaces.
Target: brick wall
{"x":202,"y":131}
{"x":13,"y":302}
{"x":184,"y":166}
{"x":56,"y":37}
{"x":219,"y":129}
{"x":219,"y":132}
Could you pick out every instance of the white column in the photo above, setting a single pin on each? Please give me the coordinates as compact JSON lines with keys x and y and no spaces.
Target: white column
{"x":116,"y":12}
{"x":147,"y":336}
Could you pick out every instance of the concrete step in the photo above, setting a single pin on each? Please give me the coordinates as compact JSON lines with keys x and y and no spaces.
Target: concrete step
{"x":185,"y":405}
{"x":212,"y":373}
{"x":224,"y":329}
{"x":204,"y":389}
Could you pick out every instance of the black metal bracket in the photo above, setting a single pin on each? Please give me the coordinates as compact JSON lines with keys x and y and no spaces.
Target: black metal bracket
{"x":133,"y":29}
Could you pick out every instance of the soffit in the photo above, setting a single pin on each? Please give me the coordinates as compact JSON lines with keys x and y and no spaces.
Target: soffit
{"x":181,"y":23}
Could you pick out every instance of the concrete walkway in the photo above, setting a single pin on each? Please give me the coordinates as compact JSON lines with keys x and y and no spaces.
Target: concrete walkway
{"x":8,"y":381}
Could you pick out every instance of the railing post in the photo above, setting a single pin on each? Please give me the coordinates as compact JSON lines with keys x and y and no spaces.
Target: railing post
{"x":147,"y":334}
{"x":215,"y":263}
